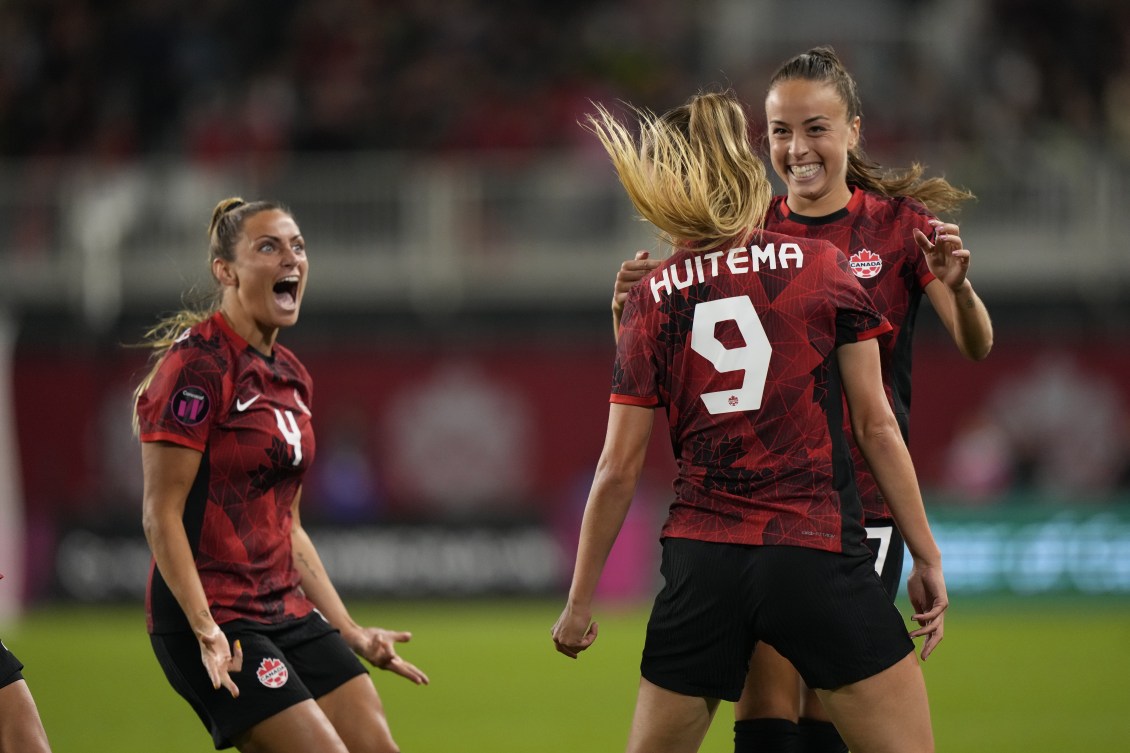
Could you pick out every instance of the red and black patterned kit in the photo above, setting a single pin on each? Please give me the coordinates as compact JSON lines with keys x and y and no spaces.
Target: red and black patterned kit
{"x":875,"y":234}
{"x":250,"y":416}
{"x":738,"y":345}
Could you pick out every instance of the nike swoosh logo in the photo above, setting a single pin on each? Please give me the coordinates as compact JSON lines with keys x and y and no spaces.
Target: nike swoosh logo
{"x":242,"y":406}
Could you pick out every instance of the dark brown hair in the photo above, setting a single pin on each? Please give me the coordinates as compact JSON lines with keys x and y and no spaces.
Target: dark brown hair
{"x":820,"y":64}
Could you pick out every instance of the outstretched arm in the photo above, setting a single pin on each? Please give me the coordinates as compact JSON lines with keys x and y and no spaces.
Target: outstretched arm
{"x":958,"y":305}
{"x":376,"y":645}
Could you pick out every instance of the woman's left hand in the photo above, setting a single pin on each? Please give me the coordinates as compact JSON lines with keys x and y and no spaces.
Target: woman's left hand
{"x":377,"y":646}
{"x":945,"y":256}
{"x":926,"y":589}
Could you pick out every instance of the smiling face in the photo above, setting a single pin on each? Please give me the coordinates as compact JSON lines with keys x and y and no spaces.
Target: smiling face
{"x":809,"y":139}
{"x":264,"y":283}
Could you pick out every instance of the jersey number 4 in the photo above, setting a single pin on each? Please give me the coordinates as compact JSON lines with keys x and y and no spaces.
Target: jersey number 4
{"x":290,"y":432}
{"x":753,"y":357}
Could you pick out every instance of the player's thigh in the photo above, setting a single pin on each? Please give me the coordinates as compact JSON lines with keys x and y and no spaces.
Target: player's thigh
{"x":810,"y":706}
{"x":21,"y":730}
{"x":885,"y":713}
{"x":299,"y":728}
{"x":772,"y":687}
{"x":668,"y":722}
{"x":356,"y":712}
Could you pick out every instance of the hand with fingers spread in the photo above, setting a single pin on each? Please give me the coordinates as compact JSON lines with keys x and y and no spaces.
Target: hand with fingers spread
{"x":377,"y":646}
{"x":574,"y":631}
{"x":220,"y":660}
{"x":945,"y":256}
{"x":926,"y":589}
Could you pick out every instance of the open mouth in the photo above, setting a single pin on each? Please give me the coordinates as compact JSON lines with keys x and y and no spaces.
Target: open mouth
{"x":286,"y":292}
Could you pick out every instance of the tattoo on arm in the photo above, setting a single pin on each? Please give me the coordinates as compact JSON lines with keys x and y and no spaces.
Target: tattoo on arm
{"x":309,"y":568}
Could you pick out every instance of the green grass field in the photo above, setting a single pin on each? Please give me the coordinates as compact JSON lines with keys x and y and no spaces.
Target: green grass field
{"x":1012,"y":676}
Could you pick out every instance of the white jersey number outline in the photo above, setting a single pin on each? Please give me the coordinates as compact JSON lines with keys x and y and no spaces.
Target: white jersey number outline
{"x":753,"y":357}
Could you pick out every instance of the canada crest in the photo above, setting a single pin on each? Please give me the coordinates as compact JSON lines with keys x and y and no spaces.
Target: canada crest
{"x":272,"y":673}
{"x":865,"y":264}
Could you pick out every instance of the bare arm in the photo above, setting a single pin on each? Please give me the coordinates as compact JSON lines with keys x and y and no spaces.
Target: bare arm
{"x":961,"y":310}
{"x":877,"y":434}
{"x":617,"y":473}
{"x":375,"y":644}
{"x":169,"y":471}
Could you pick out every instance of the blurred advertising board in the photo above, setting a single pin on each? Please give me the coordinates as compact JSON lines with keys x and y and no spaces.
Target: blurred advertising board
{"x":1035,"y":550}
{"x":441,"y":461}
{"x":1018,"y":551}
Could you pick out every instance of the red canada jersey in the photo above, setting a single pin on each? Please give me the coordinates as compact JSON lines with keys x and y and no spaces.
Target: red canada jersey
{"x":249,"y":415}
{"x":876,"y":234}
{"x":738,"y":345}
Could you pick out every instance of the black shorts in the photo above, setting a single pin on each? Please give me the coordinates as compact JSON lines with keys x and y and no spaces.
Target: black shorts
{"x":827,"y":613}
{"x":10,"y":667}
{"x":283,"y":665}
{"x":886,"y":544}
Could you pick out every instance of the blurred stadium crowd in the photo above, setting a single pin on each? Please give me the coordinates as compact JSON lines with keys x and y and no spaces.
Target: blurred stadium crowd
{"x":124,"y":79}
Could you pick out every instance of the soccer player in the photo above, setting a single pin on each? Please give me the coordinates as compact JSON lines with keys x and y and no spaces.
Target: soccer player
{"x":885,"y":224}
{"x":744,"y":337}
{"x":241,"y":613}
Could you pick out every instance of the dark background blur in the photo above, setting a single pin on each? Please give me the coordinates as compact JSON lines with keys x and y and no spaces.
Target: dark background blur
{"x":464,"y":232}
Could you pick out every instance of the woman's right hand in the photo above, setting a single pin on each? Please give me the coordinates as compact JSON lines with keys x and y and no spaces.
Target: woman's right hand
{"x":573,"y":632}
{"x":631,"y":272}
{"x":219,"y":659}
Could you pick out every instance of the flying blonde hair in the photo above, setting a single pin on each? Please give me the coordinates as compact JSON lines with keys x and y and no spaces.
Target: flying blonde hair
{"x":693,"y":172}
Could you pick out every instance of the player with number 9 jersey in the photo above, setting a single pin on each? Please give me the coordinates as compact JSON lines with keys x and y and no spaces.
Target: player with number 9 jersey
{"x":748,"y":339}
{"x":738,"y":346}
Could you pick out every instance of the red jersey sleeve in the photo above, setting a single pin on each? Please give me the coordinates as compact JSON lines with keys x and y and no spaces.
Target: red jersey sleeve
{"x":186,"y":396}
{"x":913,"y":214}
{"x":634,"y":376}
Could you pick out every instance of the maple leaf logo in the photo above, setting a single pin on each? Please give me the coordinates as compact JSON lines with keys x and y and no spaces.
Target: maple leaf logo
{"x":865,"y":264}
{"x":272,"y":673}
